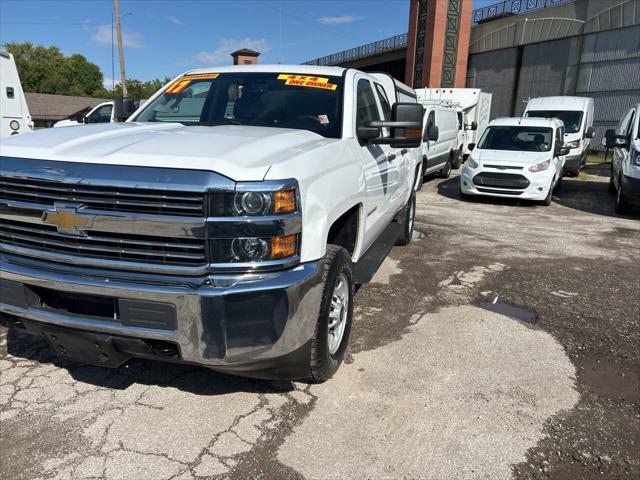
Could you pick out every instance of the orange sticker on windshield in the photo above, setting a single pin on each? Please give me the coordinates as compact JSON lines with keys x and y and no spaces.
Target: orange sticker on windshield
{"x":184,"y":81}
{"x":307,"y":81}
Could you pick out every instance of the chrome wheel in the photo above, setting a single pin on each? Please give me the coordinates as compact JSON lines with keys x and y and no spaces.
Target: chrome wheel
{"x":338,"y":314}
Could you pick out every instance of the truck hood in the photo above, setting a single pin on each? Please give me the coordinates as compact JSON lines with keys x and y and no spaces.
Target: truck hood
{"x":235,"y":151}
{"x":506,"y":157}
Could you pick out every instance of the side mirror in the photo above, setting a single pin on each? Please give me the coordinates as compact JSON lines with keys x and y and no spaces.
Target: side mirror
{"x":472,"y":126}
{"x":614,"y":140}
{"x":433,"y":133}
{"x":563,"y":150}
{"x":123,"y":108}
{"x":471,"y":146}
{"x":80,"y":118}
{"x":367,"y":134}
{"x":590,"y":132}
{"x":405,"y":125}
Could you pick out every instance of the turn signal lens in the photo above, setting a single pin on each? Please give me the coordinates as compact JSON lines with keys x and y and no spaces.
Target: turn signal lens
{"x":283,"y":247}
{"x":284,"y":202}
{"x":412,"y":132}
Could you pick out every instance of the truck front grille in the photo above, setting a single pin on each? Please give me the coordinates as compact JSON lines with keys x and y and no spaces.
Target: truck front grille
{"x":133,"y":200}
{"x":185,"y":251}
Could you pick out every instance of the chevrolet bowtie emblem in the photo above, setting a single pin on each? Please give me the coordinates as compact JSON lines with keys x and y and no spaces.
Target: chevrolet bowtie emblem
{"x":68,"y":220}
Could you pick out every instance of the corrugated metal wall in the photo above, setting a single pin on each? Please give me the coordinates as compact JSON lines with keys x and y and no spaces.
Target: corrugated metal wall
{"x":495,"y":72}
{"x":610,"y":73}
{"x":603,"y":65}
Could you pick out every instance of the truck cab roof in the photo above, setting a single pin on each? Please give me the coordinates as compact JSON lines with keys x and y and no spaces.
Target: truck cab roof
{"x":301,"y":69}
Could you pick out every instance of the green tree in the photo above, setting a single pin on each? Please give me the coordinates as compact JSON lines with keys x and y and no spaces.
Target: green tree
{"x":141,"y":90}
{"x":47,"y":70}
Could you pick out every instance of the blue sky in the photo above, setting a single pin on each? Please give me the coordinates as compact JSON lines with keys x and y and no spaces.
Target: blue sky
{"x":166,"y":37}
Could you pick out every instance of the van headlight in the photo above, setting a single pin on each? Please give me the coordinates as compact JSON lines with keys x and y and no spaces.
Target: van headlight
{"x":540,"y":167}
{"x":574,"y":144}
{"x":471,"y":163}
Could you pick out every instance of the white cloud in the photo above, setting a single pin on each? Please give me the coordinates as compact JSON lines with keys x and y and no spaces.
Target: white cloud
{"x":108,"y":83}
{"x":221,"y":56}
{"x":340,"y":20}
{"x":175,"y":21}
{"x":102,"y":36}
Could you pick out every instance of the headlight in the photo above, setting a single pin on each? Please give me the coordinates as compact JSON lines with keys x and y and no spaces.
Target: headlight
{"x":574,"y":144}
{"x":471,"y":163}
{"x":264,"y":203}
{"x":539,"y":167}
{"x":250,"y":250}
{"x":634,"y":157}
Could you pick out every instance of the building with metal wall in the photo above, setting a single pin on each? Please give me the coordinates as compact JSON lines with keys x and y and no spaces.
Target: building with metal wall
{"x":525,"y":48}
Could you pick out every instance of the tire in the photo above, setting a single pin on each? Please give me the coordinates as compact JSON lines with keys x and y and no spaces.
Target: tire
{"x":446,"y":170}
{"x":420,"y":178}
{"x":559,"y":184}
{"x":547,"y":201}
{"x":622,"y":206}
{"x":457,"y":159}
{"x":408,"y":221}
{"x":612,"y":186}
{"x":326,"y":357}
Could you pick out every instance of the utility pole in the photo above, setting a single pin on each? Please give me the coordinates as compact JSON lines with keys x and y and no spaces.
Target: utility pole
{"x":123,"y":77}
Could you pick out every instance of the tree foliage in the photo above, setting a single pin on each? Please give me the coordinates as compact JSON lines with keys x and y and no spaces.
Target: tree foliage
{"x":47,"y":70}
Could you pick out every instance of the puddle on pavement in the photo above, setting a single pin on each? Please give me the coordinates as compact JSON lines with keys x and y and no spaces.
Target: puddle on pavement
{"x":510,"y":311}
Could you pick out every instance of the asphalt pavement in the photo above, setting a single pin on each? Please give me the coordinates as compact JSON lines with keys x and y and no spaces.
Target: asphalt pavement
{"x":501,"y":343}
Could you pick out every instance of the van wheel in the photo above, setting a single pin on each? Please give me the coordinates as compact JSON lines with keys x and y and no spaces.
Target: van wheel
{"x":457,"y":159}
{"x":446,"y":170}
{"x":331,"y":335}
{"x":408,"y":221}
{"x":622,"y":206}
{"x":547,"y":201}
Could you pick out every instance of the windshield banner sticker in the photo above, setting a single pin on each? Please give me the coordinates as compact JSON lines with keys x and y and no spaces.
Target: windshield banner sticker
{"x":182,"y":83}
{"x":307,"y":81}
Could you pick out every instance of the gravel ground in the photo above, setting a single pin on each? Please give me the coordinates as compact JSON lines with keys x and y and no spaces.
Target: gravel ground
{"x":502,"y":343}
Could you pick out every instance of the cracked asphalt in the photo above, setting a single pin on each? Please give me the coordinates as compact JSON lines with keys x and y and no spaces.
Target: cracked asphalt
{"x":502,"y":343}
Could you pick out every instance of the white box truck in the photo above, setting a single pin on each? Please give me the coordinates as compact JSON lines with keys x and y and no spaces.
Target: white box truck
{"x":14,"y":112}
{"x":475,"y":104}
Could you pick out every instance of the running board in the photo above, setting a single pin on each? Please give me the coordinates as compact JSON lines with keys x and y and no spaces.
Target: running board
{"x":368,"y":265}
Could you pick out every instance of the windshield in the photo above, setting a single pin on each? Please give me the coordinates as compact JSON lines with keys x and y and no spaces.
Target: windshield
{"x":571,"y":119}
{"x":517,"y":138}
{"x":282,"y":100}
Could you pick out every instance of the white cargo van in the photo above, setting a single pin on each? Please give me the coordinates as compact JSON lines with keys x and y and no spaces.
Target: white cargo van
{"x":475,"y":104}
{"x":577,"y":115}
{"x":14,"y":112}
{"x":440,"y":139}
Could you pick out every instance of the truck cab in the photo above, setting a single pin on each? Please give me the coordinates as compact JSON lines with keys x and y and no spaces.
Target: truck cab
{"x":101,"y":113}
{"x":14,"y":112}
{"x":225,"y":224}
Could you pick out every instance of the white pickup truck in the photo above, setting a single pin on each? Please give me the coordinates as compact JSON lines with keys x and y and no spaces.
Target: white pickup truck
{"x":224,"y":224}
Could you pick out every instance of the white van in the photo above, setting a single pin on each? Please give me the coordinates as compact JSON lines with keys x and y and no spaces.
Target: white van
{"x":516,"y":158}
{"x":474,"y":103}
{"x":625,"y":165}
{"x":440,"y":139}
{"x":577,"y":115}
{"x":101,"y":113}
{"x":14,"y":112}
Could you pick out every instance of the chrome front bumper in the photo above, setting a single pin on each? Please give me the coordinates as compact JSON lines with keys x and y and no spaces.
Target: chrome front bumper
{"x":252,"y":325}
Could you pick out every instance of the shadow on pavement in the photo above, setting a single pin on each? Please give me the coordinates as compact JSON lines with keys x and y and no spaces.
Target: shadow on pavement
{"x":188,"y":378}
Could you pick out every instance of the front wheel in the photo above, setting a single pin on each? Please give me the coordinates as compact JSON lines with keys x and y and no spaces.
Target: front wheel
{"x":457,"y":159}
{"x":336,"y":313}
{"x":446,"y":170}
{"x":622,"y":206}
{"x":547,"y":201}
{"x":408,"y":221}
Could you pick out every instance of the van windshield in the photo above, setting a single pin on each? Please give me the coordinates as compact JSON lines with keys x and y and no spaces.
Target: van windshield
{"x":572,"y":119}
{"x":517,"y":138}
{"x":282,"y":100}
